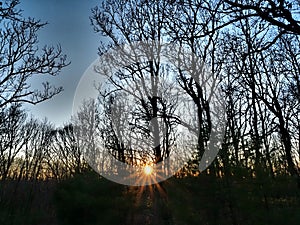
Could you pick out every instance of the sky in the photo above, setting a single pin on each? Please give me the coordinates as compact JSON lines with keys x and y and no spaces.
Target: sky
{"x":69,"y":26}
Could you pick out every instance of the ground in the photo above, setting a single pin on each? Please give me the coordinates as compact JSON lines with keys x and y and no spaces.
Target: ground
{"x":87,"y":199}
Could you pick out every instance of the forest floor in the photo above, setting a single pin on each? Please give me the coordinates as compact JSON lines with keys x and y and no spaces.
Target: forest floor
{"x":204,"y":200}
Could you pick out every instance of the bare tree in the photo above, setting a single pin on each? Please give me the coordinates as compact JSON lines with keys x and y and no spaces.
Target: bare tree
{"x":11,"y":141}
{"x":126,"y":22}
{"x":280,"y":13}
{"x":21,"y":59}
{"x":194,"y":26}
{"x":36,"y":149}
{"x":267,"y":79}
{"x":64,"y":157}
{"x":278,"y":100}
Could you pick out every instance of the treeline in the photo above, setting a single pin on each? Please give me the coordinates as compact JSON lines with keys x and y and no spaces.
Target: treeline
{"x":252,"y":49}
{"x":33,"y":149}
{"x":24,"y":141}
{"x":249,"y":50}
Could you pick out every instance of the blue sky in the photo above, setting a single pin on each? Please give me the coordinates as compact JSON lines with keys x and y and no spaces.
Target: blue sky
{"x":69,"y":25}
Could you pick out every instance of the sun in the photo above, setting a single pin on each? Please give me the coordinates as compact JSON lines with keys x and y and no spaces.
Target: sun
{"x":148,"y":170}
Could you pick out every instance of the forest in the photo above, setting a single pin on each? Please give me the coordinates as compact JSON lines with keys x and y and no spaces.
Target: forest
{"x":200,"y":106}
